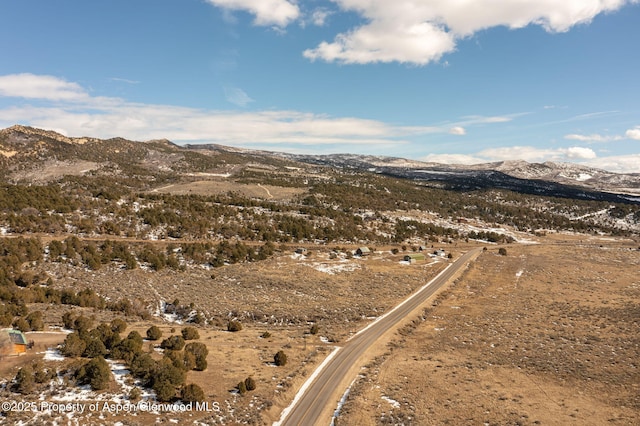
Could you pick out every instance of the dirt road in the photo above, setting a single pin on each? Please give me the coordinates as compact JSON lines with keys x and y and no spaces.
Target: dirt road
{"x":316,"y":404}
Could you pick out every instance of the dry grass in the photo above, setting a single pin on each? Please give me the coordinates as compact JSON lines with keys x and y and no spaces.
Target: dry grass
{"x":215,"y":186}
{"x":545,"y":335}
{"x":283,"y":295}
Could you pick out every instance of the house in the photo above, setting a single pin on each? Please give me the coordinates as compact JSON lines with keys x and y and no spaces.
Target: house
{"x":363,"y":251}
{"x":440,"y":253}
{"x":13,"y":342}
{"x":414,"y":257}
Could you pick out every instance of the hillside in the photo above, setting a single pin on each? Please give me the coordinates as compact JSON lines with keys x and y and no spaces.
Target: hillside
{"x":102,"y":240}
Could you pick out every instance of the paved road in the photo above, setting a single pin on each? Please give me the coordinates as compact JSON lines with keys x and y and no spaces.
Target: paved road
{"x":322,"y":395}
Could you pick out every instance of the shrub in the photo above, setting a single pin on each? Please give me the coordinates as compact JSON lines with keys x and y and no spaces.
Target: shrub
{"x":166,"y":380}
{"x":154,"y":333}
{"x":94,"y":348}
{"x":234,"y":326}
{"x":165,"y":391}
{"x":200,"y":352}
{"x":502,"y":251}
{"x":104,"y":332}
{"x":82,"y":323}
{"x":96,"y":373}
{"x":249,"y":383}
{"x":35,"y":321}
{"x":22,"y":325}
{"x":190,"y":333}
{"x":192,"y":393}
{"x":143,"y":366}
{"x":135,"y":394}
{"x":41,"y":374}
{"x":280,"y":358}
{"x":314,"y":329}
{"x":128,"y":348}
{"x":118,"y":325}
{"x":136,"y":338}
{"x":68,"y":318}
{"x":24,"y":380}
{"x":183,"y":360}
{"x":73,"y":345}
{"x":174,"y":343}
{"x":242,"y":388}
{"x":166,"y":371}
{"x":266,"y":335}
{"x":199,"y":319}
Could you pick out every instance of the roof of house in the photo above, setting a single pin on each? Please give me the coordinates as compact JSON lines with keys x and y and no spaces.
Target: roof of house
{"x":16,"y":336}
{"x":415,"y":256}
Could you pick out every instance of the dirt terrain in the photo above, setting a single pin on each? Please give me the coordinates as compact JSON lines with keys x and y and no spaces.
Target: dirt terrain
{"x":341,"y":295}
{"x":533,"y":337}
{"x":220,"y":185}
{"x":548,"y":334}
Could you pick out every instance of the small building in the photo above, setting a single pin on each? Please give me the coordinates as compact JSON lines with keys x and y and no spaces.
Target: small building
{"x":440,"y":253}
{"x":414,"y":257}
{"x":13,"y":342}
{"x":363,"y":251}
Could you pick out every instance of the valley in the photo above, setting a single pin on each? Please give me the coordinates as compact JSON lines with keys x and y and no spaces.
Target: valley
{"x":258,"y":252}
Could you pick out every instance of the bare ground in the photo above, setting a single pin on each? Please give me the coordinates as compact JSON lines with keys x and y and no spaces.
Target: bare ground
{"x":283,"y":295}
{"x":548,"y":334}
{"x":214,"y":186}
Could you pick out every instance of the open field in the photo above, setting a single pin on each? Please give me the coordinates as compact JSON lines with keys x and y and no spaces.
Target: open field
{"x":545,"y":335}
{"x":548,"y":334}
{"x":341,"y":295}
{"x":215,"y":186}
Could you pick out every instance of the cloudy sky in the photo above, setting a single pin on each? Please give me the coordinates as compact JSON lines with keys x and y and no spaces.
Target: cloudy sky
{"x":464,"y":81}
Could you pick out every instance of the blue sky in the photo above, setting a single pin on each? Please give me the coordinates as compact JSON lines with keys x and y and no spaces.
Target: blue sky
{"x":435,"y":80}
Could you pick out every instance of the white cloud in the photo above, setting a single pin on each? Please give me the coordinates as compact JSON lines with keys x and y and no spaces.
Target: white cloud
{"x":319,"y":16}
{"x":237,"y":96}
{"x":578,"y":153}
{"x":124,"y":80}
{"x":457,"y":130}
{"x":386,"y":41}
{"x":633,"y":133}
{"x":267,"y":12}
{"x":585,"y":156}
{"x":629,"y":134}
{"x":481,"y":119}
{"x":68,"y":108}
{"x":453,"y":159}
{"x":617,"y":163}
{"x":40,"y":87}
{"x":592,"y":138}
{"x":421,"y":31}
{"x":533,"y":154}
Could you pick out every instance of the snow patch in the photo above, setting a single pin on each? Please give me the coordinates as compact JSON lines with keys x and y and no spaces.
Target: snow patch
{"x":333,"y":269}
{"x":583,"y":176}
{"x":393,"y":402}
{"x":53,"y":354}
{"x":341,"y":403}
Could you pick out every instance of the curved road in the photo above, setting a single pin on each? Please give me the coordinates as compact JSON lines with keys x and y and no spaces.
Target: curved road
{"x":321,"y":396}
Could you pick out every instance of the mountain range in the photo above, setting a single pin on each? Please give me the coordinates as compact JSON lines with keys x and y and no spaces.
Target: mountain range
{"x":36,"y":155}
